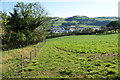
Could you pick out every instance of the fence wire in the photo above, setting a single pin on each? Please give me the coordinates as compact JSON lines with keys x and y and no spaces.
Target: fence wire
{"x":16,"y":68}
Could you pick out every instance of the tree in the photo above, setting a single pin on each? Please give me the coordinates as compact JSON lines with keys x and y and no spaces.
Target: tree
{"x":28,"y":17}
{"x":26,"y":25}
{"x":104,"y":29}
{"x":3,"y":19}
{"x":114,"y":25}
{"x":3,"y":16}
{"x":87,"y":30}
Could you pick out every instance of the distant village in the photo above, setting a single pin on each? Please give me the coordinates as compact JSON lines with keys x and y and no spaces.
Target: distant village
{"x":57,"y":29}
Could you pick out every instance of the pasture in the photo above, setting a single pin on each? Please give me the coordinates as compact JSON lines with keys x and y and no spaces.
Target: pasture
{"x":78,"y":56}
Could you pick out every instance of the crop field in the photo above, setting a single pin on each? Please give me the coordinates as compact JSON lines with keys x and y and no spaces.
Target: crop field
{"x":81,"y":56}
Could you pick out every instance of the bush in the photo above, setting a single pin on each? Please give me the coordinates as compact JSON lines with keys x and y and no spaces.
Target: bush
{"x":13,"y":40}
{"x":25,"y":25}
{"x":36,"y":37}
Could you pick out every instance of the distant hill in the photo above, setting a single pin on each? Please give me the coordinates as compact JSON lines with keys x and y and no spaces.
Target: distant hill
{"x":82,"y":21}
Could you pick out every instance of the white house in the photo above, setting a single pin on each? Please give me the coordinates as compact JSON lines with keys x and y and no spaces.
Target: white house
{"x":72,"y":29}
{"x":80,"y":28}
{"x":96,"y":28}
{"x":58,"y":30}
{"x":72,"y":26}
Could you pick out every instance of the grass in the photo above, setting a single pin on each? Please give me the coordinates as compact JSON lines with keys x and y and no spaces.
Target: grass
{"x":81,"y":56}
{"x":81,"y":25}
{"x":11,"y":60}
{"x":102,"y":19}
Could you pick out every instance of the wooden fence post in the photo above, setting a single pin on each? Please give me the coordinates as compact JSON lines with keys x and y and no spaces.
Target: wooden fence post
{"x":35,"y":52}
{"x":30,"y":57}
{"x":21,"y":64}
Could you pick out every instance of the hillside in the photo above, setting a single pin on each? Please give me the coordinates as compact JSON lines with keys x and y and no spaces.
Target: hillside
{"x":82,"y":21}
{"x":82,"y":56}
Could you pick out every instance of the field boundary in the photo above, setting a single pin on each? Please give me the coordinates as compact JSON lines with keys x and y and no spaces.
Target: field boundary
{"x":22,"y":62}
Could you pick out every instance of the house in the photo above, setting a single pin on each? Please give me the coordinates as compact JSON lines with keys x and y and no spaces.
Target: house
{"x":72,"y":29}
{"x":58,"y":30}
{"x":96,"y":28}
{"x":72,"y":26}
{"x":80,"y":28}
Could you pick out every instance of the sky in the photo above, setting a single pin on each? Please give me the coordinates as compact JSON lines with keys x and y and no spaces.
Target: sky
{"x":68,"y":8}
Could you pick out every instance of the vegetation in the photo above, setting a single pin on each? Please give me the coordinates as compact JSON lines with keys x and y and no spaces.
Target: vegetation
{"x":114,"y":25}
{"x":75,"y":56}
{"x":29,"y":24}
{"x":82,"y":56}
{"x":12,"y":63}
{"x":82,"y":21}
{"x":110,"y":28}
{"x":90,"y":56}
{"x":26,"y":25}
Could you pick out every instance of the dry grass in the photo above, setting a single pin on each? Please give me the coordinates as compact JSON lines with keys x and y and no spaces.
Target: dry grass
{"x":11,"y":60}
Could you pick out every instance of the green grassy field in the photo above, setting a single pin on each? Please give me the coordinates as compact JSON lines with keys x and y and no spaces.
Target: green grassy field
{"x":88,"y":26}
{"x":81,"y":56}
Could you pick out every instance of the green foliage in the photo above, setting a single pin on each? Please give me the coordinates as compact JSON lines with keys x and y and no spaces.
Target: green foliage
{"x":36,"y":36}
{"x":87,"y":30}
{"x":13,"y":40}
{"x":26,"y":25}
{"x":113,"y":25}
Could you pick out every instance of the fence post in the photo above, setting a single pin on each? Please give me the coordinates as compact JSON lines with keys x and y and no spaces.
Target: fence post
{"x":30,"y":57}
{"x":21,"y":64}
{"x":35,"y":52}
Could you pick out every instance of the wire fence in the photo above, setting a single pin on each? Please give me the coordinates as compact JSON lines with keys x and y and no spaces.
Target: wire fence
{"x":17,"y":67}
